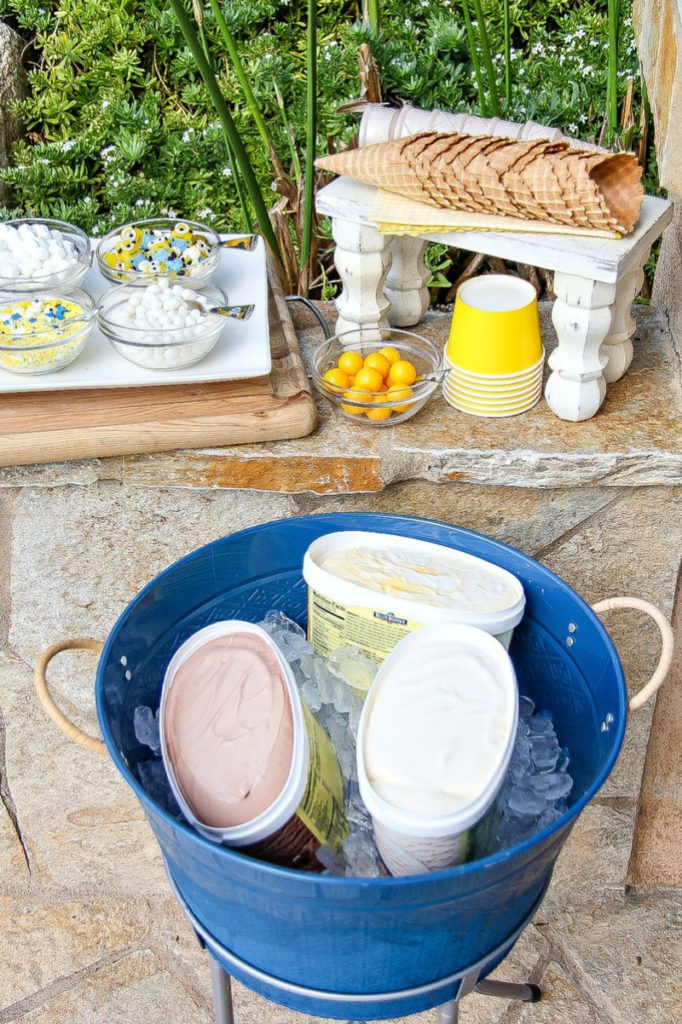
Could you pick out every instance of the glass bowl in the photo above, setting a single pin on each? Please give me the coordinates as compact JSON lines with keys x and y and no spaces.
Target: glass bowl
{"x":23,"y":262}
{"x":161,"y":345}
{"x":385,"y":408}
{"x":45,"y":332}
{"x":158,"y":247}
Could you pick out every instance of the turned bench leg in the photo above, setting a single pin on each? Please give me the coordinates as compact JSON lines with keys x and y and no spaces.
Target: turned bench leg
{"x":405,"y":286}
{"x":362,"y":258}
{"x":582,"y":317}
{"x":383,"y":277}
{"x":617,"y":345}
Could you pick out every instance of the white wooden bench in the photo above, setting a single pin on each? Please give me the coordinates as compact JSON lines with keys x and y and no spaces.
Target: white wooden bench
{"x":595,"y":281}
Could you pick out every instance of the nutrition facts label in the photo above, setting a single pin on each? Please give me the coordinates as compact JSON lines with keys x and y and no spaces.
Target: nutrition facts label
{"x":374,"y":632}
{"x":322,"y":806}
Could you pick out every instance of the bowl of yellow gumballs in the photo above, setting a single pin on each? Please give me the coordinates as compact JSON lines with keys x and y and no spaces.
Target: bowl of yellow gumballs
{"x":377,"y":376}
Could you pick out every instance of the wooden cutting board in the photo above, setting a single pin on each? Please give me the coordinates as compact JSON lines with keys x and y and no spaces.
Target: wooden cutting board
{"x":54,"y":426}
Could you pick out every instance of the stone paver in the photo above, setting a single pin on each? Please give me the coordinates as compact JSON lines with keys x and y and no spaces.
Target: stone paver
{"x":91,"y":933}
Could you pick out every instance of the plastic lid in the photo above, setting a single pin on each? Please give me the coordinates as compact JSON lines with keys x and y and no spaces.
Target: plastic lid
{"x":420,"y":665}
{"x":286,"y":804}
{"x":495,"y":620}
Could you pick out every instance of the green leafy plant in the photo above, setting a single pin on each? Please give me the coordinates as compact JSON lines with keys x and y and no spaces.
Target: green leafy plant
{"x":120,"y":123}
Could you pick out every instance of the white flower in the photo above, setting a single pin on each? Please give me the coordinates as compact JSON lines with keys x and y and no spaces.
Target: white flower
{"x":227,"y":172}
{"x":105,"y":104}
{"x":139,"y":202}
{"x":67,"y":145}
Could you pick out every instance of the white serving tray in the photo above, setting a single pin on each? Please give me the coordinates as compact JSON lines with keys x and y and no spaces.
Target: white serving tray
{"x":242,"y":351}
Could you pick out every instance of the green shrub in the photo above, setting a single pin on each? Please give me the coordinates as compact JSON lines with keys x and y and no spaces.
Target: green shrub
{"x":119,"y":124}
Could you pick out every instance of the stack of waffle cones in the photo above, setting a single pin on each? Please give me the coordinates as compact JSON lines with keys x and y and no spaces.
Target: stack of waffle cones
{"x":533,"y":180}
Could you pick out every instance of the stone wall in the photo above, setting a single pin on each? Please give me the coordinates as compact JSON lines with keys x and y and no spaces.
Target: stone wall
{"x":658,"y":32}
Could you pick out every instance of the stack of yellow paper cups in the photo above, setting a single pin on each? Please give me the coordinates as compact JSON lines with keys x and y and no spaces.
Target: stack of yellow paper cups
{"x":494,"y":351}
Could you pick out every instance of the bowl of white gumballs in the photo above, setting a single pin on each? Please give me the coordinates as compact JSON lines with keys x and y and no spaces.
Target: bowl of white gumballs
{"x":161,"y":326}
{"x":40,"y":253}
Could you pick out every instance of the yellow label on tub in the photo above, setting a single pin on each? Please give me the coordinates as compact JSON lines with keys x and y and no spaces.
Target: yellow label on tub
{"x":322,"y":806}
{"x":375,"y":632}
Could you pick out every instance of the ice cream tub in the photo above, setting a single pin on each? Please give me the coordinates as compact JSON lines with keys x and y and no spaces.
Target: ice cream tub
{"x":435,"y":738}
{"x":369,"y":590}
{"x":247,"y":762}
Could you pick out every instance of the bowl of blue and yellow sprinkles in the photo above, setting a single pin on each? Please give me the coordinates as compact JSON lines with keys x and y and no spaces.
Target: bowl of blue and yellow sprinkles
{"x":161,"y":247}
{"x":43,"y":333}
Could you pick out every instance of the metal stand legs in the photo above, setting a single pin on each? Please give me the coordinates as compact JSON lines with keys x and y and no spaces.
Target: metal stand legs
{"x":527,"y":993}
{"x":449,"y":1012}
{"x":508,"y":990}
{"x":222,"y":994}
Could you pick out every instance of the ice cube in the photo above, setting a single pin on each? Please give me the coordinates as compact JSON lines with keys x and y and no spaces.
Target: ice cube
{"x":277,"y":620}
{"x":520,"y":762}
{"x":353,"y":666}
{"x":311,"y":695}
{"x":544,"y":751}
{"x":336,"y":726}
{"x":524,"y":800}
{"x":552,"y":786}
{"x":360,"y":854}
{"x":356,"y":812}
{"x":541,"y":725}
{"x":526,"y":706}
{"x":333,"y":864}
{"x":146,"y":726}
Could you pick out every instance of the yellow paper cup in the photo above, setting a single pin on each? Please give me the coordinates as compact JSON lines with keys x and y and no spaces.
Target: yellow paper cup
{"x":495,"y":326}
{"x":465,"y":387}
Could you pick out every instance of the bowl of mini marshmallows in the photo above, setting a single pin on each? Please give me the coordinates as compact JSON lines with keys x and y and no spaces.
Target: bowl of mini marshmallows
{"x":39,"y":254}
{"x":161,"y":325}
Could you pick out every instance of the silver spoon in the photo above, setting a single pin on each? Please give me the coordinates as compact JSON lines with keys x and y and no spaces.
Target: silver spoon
{"x":437,"y":375}
{"x":247,"y":242}
{"x":235,"y":312}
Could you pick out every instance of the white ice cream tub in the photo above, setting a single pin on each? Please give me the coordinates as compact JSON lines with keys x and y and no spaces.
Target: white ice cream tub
{"x":357,"y":612}
{"x":435,"y":738}
{"x":309,"y":810}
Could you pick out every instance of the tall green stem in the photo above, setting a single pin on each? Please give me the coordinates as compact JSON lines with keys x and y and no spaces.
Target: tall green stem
{"x":238,"y":69}
{"x":370,"y":14}
{"x":473,"y":52}
{"x":487,"y":59}
{"x":507,"y":56}
{"x":228,"y":125}
{"x":612,"y":79}
{"x":241,"y":198}
{"x":311,"y":135}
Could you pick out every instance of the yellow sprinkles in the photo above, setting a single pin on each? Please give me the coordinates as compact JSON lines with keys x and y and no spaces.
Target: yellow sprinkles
{"x":28,"y":329}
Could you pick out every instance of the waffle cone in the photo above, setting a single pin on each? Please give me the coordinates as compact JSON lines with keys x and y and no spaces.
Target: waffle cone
{"x":536,"y":180}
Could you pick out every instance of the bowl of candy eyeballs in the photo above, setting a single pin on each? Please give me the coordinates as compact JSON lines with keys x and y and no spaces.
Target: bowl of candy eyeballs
{"x":377,"y":376}
{"x":40,"y":333}
{"x":40,"y":253}
{"x":158,"y":247}
{"x":162,"y":325}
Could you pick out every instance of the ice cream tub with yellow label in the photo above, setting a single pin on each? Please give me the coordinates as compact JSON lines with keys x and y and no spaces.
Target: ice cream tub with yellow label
{"x":247,"y":762}
{"x":369,"y":590}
